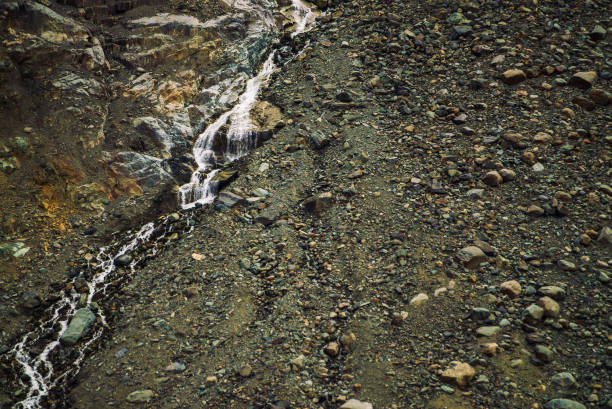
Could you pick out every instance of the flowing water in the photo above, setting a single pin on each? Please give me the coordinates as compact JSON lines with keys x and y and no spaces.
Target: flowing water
{"x":40,"y":376}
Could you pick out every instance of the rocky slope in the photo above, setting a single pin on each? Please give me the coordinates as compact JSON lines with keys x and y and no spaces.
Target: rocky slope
{"x":430,"y":228}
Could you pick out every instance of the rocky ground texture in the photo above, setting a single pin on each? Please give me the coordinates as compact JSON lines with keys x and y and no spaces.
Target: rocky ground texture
{"x":431,"y":228}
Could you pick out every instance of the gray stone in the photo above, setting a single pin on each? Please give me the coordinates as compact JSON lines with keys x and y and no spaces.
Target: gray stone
{"x":175,"y":367}
{"x":564,"y":380}
{"x":605,"y":236}
{"x":471,"y":256}
{"x":229,"y":199}
{"x":142,"y":396}
{"x":544,"y":353}
{"x":80,"y":323}
{"x":475,"y":193}
{"x":533,"y":313}
{"x":488,"y":331}
{"x":123,"y":260}
{"x":480,"y":314}
{"x":319,"y":140}
{"x":563,"y":404}
{"x":566,"y":265}
{"x":552,"y":291}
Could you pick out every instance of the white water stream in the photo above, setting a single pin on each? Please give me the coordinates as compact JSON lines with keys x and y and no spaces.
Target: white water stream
{"x":39,"y":374}
{"x":241,"y":136}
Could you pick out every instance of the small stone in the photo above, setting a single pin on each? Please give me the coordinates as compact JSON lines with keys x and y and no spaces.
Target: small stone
{"x":605,"y":235}
{"x":564,"y":380}
{"x":299,"y":361}
{"x":79,"y":324}
{"x":568,"y":113}
{"x":419,"y":299}
{"x":600,"y":97}
{"x":142,"y":396}
{"x":488,"y":331}
{"x":318,"y":203}
{"x":598,"y":33}
{"x":511,"y":288}
{"x":480,"y":314}
{"x":488,"y":249}
{"x":245,"y":371}
{"x":583,"y":79}
{"x":566,"y":265}
{"x":550,"y":306}
{"x":552,"y":291}
{"x":507,"y":174}
{"x":229,"y":199}
{"x":211,"y":380}
{"x":356,"y":174}
{"x":459,"y":374}
{"x":191,"y":292}
{"x":175,"y":367}
{"x":512,"y":77}
{"x":544,"y":353}
{"x":533,"y":314}
{"x":356,"y":404}
{"x":534,"y":210}
{"x":332,"y":349}
{"x":471,"y":256}
{"x":492,"y":178}
{"x":475,"y":193}
{"x":347,"y":340}
{"x":542,"y":138}
{"x":584,"y":103}
{"x":490,"y":349}
{"x":563,"y":404}
{"x":123,"y":260}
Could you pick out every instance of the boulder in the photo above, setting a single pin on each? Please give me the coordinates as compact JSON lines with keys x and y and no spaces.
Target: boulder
{"x":79,"y":324}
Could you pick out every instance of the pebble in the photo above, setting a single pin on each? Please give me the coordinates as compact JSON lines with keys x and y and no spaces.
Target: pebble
{"x":488,"y":331}
{"x":419,"y":299}
{"x":511,"y":288}
{"x":512,"y":77}
{"x":141,"y":396}
{"x":471,"y":256}
{"x":552,"y":291}
{"x":533,"y":313}
{"x":459,"y":374}
{"x":563,"y":404}
{"x":566,"y":265}
{"x":550,"y":306}
{"x":544,"y":353}
{"x":356,"y":404}
{"x":583,"y":79}
{"x":492,"y":178}
{"x":332,"y":349}
{"x":564,"y":380}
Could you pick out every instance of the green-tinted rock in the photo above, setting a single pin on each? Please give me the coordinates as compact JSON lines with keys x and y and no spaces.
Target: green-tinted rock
{"x":78,"y":326}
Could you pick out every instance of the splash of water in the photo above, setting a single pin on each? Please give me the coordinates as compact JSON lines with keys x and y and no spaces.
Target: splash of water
{"x":38,"y":369}
{"x":303,"y":16}
{"x":240,"y":139}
